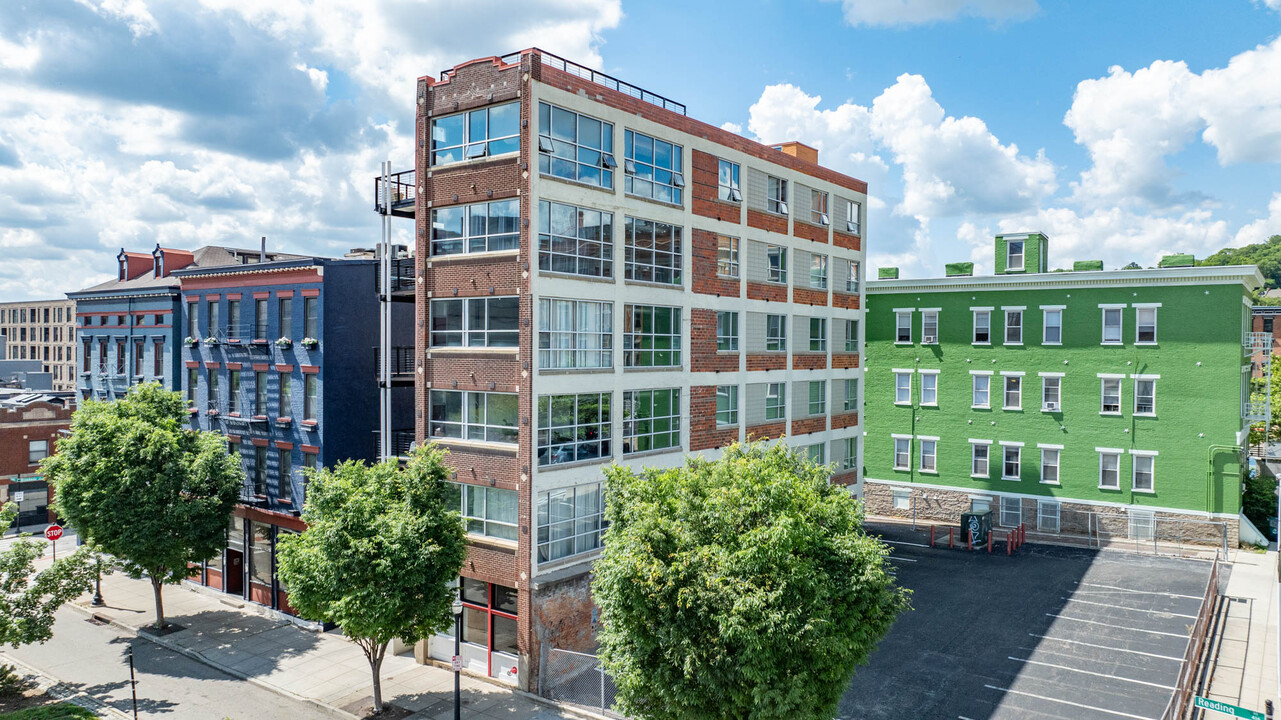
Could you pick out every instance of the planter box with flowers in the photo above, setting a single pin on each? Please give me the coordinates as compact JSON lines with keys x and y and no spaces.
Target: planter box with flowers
{"x":310,"y":343}
{"x":284,"y":343}
{"x":191,"y":341}
{"x":211,"y":340}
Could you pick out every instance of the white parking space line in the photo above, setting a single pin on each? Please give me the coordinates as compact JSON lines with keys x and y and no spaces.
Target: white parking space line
{"x":900,"y":559}
{"x":1069,"y":702}
{"x":1127,"y":607}
{"x":1088,"y":672}
{"x":1140,"y":592}
{"x":1121,"y":627}
{"x":1108,"y":647}
{"x":902,"y":542}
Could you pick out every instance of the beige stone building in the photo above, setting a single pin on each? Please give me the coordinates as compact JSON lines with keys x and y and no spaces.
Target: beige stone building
{"x":42,"y":330}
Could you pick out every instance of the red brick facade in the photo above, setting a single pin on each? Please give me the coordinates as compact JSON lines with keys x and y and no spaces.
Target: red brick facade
{"x":703,"y":432}
{"x":705,"y":248}
{"x":767,"y":361}
{"x":18,"y":428}
{"x":844,"y":361}
{"x":809,"y":425}
{"x":847,"y":241}
{"x":809,"y":296}
{"x":705,"y":190}
{"x":767,"y":431}
{"x":845,"y":301}
{"x":844,"y":420}
{"x":817,"y":233}
{"x":703,"y":356}
{"x":766,"y":291}
{"x":809,"y":361}
{"x":767,"y":221}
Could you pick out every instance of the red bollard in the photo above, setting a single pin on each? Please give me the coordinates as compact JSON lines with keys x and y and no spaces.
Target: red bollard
{"x":969,"y":541}
{"x":989,"y":543}
{"x":1022,"y":533}
{"x":949,"y":538}
{"x":1009,"y":548}
{"x":931,"y":536}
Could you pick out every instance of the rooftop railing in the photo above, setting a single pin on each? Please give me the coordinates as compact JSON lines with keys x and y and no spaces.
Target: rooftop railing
{"x":600,"y":78}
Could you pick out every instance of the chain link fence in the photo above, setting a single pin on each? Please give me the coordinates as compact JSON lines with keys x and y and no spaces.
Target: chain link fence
{"x":1136,"y":530}
{"x":577,"y":678}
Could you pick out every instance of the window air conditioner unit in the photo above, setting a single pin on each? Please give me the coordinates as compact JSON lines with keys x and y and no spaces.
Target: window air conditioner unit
{"x":929,"y":339}
{"x":1052,"y":406}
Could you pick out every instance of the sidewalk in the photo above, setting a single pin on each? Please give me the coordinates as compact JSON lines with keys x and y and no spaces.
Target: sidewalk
{"x":323,"y":669}
{"x":1245,"y":672}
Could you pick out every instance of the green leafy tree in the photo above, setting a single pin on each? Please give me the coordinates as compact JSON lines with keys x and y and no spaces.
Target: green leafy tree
{"x":145,"y":489}
{"x":1267,"y":255}
{"x":29,"y":599}
{"x":1259,"y":501}
{"x":1257,"y":390}
{"x":379,"y":556}
{"x":743,"y":587}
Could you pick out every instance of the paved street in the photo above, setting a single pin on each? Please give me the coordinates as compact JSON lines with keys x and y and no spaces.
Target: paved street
{"x":94,"y":659}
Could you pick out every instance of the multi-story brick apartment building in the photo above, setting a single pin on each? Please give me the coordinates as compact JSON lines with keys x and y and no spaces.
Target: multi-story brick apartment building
{"x":43,"y":330}
{"x":126,"y":327}
{"x":1103,"y":403}
{"x":604,"y":279}
{"x":280,"y":358}
{"x":29,"y":426}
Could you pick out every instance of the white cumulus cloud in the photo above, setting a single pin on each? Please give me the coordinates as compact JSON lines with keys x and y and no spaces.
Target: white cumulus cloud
{"x":916,"y":12}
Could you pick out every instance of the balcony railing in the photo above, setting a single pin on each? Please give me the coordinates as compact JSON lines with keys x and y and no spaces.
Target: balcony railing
{"x":398,"y":199}
{"x":402,"y":276}
{"x":600,"y":78}
{"x":1257,"y":342}
{"x":402,"y":441}
{"x":402,"y":359}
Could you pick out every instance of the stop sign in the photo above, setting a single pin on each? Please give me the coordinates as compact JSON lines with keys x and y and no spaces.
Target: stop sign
{"x":53,"y":532}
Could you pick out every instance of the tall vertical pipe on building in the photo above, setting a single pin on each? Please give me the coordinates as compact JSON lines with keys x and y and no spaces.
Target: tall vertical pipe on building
{"x":384,"y":316}
{"x":262,"y":251}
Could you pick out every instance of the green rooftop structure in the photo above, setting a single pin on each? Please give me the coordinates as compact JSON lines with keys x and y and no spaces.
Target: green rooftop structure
{"x":1100,"y":404}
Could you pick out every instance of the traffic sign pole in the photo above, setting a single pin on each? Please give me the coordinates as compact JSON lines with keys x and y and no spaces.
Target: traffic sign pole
{"x":53,"y":532}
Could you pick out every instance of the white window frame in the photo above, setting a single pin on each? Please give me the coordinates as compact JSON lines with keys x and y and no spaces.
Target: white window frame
{"x":930,"y":316}
{"x":818,"y":271}
{"x":1112,"y":452}
{"x":584,"y":531}
{"x":730,"y":413}
{"x":929,"y":460}
{"x":900,"y":387}
{"x":776,"y":401}
{"x":1145,"y":379}
{"x":818,"y":335}
{"x":1145,"y":456}
{"x":987,"y":458}
{"x":851,"y":279}
{"x":1010,"y":255}
{"x":728,"y":190}
{"x":986,"y":313}
{"x":1043,"y":508}
{"x":818,"y":207}
{"x":852,"y":217}
{"x":1006,"y":377}
{"x":726,"y":342}
{"x":899,"y":315}
{"x":903,"y":449}
{"x":775,"y":333}
{"x":987,"y":389}
{"x":776,"y":272}
{"x":727,"y":263}
{"x":1017,"y":312}
{"x":902,"y":498}
{"x":1142,"y":524}
{"x":635,"y":243}
{"x":1047,"y":452}
{"x":1049,"y":380}
{"x":929,"y":388}
{"x":817,"y":406}
{"x":1006,"y":447}
{"x":1046,"y":310}
{"x":1139,"y":310}
{"x":1104,"y":379}
{"x":1011,"y":514}
{"x":776,"y":202}
{"x":1119,"y":309}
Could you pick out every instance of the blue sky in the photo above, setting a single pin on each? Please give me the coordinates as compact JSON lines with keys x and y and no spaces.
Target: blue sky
{"x":1124,"y":130}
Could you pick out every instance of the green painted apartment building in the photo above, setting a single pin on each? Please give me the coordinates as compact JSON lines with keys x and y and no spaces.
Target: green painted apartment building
{"x":1075,"y":402}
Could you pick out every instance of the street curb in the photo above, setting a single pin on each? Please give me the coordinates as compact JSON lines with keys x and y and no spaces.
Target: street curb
{"x":58,"y":690}
{"x":200,"y":658}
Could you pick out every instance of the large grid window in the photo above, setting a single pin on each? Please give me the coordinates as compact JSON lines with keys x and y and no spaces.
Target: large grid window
{"x":575,"y":334}
{"x":818,"y":334}
{"x":776,"y":333}
{"x":475,"y":322}
{"x":575,"y":240}
{"x":573,"y":427}
{"x":653,"y":168}
{"x":575,"y":147}
{"x":479,"y":133}
{"x":570,"y":521}
{"x":818,"y":272}
{"x":487,"y":511}
{"x":818,"y":397}
{"x":1047,"y":516}
{"x":484,"y":227}
{"x":481,"y":416}
{"x":726,"y":331}
{"x":727,"y":182}
{"x":651,"y":420}
{"x":818,"y":208}
{"x":775,"y":401}
{"x":653,"y":251}
{"x":776,"y":195}
{"x":726,"y":256}
{"x":651,"y":336}
{"x":776,"y":263}
{"x":1011,"y":511}
{"x":727,"y":405}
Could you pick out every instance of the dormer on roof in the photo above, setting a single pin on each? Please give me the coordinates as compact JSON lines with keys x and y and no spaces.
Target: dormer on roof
{"x":169,"y":259}
{"x":132,"y":264}
{"x":1025,"y":252}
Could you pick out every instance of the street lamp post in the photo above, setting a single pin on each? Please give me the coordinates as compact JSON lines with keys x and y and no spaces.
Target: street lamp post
{"x":458,"y":632}
{"x":97,"y":586}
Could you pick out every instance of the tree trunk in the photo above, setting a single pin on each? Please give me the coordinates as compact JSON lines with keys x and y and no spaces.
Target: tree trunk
{"x":375,"y":666}
{"x":160,"y":603}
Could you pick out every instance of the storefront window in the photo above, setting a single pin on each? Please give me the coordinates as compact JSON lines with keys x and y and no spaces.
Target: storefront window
{"x":260,"y":563}
{"x":505,"y":634}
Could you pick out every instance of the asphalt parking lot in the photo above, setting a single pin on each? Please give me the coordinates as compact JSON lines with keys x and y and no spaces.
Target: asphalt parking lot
{"x":1046,"y":633}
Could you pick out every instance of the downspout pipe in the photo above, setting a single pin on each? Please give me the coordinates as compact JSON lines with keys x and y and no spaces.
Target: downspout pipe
{"x":1209,"y":471}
